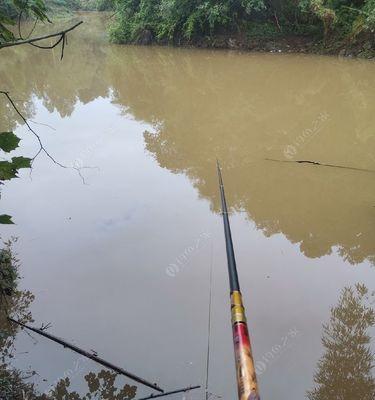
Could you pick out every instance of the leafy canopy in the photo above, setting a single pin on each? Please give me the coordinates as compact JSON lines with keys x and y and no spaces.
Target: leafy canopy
{"x":11,"y":10}
{"x":171,"y":20}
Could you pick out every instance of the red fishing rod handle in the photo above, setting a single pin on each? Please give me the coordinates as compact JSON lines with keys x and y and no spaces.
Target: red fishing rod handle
{"x":246,"y":377}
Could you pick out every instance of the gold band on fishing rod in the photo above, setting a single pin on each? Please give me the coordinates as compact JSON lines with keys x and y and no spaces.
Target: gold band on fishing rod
{"x":238,"y":310}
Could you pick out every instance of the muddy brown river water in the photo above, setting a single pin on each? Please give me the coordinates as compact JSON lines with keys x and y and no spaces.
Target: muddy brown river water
{"x":117,"y":248}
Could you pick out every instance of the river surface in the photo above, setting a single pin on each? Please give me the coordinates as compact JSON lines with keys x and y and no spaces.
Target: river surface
{"x":117,"y":248}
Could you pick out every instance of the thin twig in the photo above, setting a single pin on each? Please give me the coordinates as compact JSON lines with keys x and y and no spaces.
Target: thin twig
{"x":41,"y":147}
{"x":111,"y":16}
{"x":277,"y":21}
{"x":187,"y":389}
{"x":45,"y":326}
{"x":41,"y":123}
{"x":39,"y":38}
{"x":63,"y":46}
{"x":19,"y":25}
{"x":78,"y":169}
{"x":20,"y":30}
{"x":34,"y":340}
{"x":49,"y":47}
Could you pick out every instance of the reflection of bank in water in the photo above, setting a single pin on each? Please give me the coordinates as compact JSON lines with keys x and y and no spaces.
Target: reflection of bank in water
{"x":13,"y":382}
{"x":101,"y":385}
{"x":345,"y":371}
{"x":225,"y":121}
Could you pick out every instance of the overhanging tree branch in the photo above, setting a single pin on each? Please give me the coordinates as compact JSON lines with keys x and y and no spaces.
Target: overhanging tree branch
{"x":60,"y":34}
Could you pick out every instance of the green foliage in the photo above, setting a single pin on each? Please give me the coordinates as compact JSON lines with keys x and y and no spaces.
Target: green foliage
{"x":8,"y":141}
{"x":21,"y":162}
{"x":104,"y":5}
{"x":265,"y":30}
{"x":66,"y":5}
{"x":95,"y":5}
{"x":186,"y":20}
{"x":369,"y":14}
{"x":9,"y":169}
{"x":8,"y":272}
{"x":6,"y":219}
{"x":10,"y":10}
{"x":166,"y":19}
{"x":8,"y":13}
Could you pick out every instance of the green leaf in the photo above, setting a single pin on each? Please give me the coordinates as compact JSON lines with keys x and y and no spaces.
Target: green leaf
{"x":8,"y":141}
{"x":21,"y":162}
{"x":6,"y":219}
{"x":7,"y":171}
{"x":6,"y":20}
{"x":5,"y":34}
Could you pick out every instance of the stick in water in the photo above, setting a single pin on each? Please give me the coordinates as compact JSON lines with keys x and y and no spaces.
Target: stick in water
{"x":187,"y":389}
{"x":321,"y":164}
{"x":89,"y":355}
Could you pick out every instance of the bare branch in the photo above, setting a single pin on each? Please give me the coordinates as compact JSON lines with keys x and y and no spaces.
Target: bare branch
{"x":321,"y":164}
{"x":41,"y":123}
{"x":41,"y":147}
{"x":91,"y":356}
{"x":39,"y":38}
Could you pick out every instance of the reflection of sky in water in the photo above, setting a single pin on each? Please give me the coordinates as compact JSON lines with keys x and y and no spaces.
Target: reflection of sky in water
{"x":105,"y":249}
{"x":96,"y":254}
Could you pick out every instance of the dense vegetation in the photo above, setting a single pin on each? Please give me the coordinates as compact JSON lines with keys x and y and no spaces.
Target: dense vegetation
{"x":190,"y":21}
{"x":11,"y":8}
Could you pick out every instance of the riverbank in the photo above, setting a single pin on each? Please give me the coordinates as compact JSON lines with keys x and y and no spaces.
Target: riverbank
{"x":363,"y":47}
{"x":309,"y":27}
{"x":290,"y":44}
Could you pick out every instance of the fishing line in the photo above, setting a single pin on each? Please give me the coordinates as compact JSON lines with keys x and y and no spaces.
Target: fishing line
{"x":209,"y":322}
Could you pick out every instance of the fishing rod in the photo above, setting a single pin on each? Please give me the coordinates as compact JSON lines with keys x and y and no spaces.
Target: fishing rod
{"x":246,"y":377}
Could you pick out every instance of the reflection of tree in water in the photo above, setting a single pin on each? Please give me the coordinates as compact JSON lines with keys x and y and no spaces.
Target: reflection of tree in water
{"x":202,"y":112}
{"x":41,"y":75}
{"x":15,"y":302}
{"x":101,"y":386}
{"x":240,"y":109}
{"x":345,"y":372}
{"x":13,"y":382}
